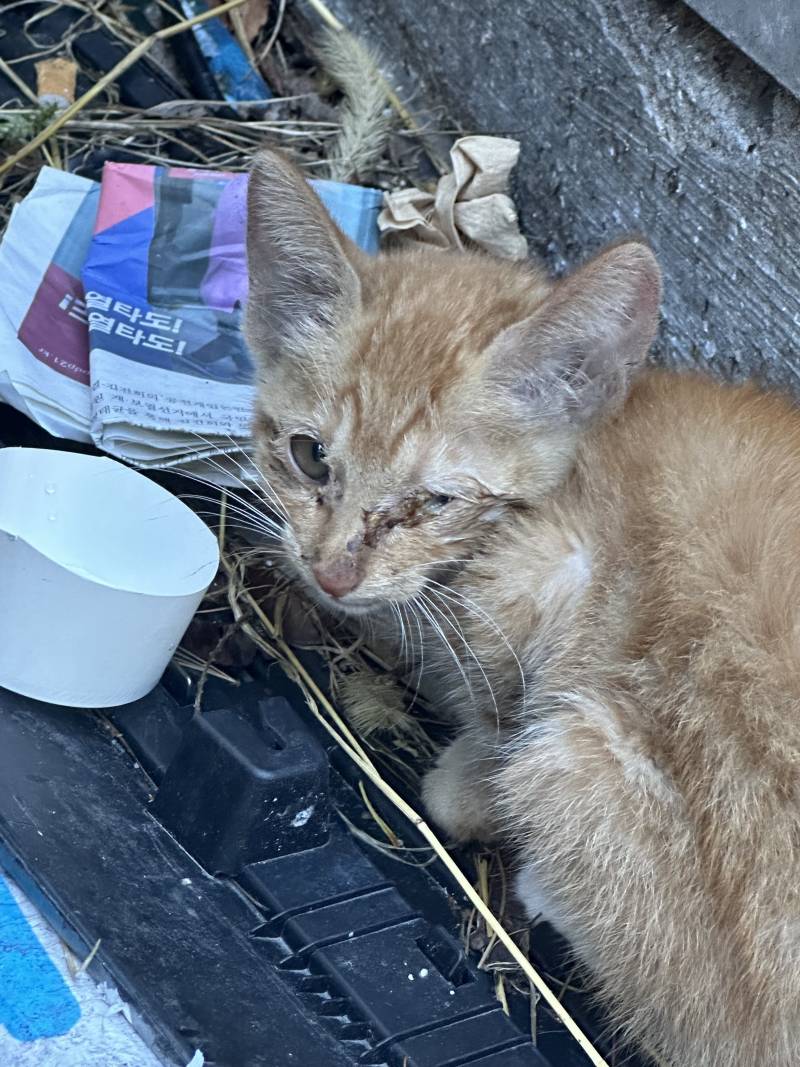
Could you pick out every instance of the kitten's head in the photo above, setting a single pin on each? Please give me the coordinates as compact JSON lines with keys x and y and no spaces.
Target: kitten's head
{"x":410,"y":402}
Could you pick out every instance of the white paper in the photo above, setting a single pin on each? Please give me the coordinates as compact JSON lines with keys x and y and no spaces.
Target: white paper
{"x":36,"y":228}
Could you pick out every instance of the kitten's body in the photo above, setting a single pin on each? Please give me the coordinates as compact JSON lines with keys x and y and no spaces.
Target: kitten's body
{"x":627,"y":589}
{"x":652,"y":774}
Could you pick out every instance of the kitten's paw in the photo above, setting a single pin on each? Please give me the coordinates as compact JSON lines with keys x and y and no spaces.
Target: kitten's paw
{"x":536,"y":901}
{"x":455,"y":793}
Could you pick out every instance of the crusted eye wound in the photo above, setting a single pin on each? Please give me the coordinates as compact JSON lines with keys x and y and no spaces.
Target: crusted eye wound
{"x":410,"y":511}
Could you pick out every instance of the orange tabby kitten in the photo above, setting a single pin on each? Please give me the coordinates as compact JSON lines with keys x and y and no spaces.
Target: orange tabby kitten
{"x":463,"y":439}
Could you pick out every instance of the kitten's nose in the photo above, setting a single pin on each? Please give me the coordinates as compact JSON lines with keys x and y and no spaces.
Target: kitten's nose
{"x":337,"y":576}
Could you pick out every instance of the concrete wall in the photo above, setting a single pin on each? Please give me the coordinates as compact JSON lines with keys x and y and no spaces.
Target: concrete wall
{"x":634,"y":116}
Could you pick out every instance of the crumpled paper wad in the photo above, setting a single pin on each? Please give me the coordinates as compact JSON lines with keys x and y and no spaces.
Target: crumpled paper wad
{"x":470,"y":205}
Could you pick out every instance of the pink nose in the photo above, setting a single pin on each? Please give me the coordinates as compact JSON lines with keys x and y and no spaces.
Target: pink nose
{"x":338,"y":576}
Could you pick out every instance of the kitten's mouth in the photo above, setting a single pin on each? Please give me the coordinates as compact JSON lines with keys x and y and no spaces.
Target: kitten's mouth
{"x":346,"y":605}
{"x":355,"y":607}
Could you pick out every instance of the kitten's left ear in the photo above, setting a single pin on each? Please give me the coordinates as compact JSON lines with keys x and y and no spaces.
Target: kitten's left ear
{"x":303,"y":271}
{"x":576,"y":355}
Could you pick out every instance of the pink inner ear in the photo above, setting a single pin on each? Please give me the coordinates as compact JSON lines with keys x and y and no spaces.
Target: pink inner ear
{"x":650,"y":293}
{"x":575,"y":356}
{"x":611,"y":303}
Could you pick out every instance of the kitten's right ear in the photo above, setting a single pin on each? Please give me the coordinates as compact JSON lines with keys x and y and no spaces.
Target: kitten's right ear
{"x":303,"y":271}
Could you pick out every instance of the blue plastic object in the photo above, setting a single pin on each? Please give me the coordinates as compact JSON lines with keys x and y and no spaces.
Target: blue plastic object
{"x":231,"y":68}
{"x":35,"y":1001}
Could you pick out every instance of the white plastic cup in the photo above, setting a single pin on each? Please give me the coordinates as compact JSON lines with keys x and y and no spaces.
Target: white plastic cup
{"x":101,"y":571}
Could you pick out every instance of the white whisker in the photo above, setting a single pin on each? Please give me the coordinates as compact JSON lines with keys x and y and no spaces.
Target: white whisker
{"x":247,"y":482}
{"x":427,"y":607}
{"x":453,"y":622}
{"x":396,"y":612}
{"x":412,"y":607}
{"x":447,"y":591}
{"x":266,"y":484}
{"x":239,"y":508}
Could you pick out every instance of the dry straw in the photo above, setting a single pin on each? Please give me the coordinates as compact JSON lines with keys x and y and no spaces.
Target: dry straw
{"x":135,"y":54}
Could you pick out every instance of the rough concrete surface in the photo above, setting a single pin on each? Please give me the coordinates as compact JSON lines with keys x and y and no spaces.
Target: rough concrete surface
{"x":768,"y":30}
{"x":634,"y":116}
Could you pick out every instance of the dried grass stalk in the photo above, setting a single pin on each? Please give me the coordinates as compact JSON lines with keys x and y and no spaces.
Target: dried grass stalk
{"x":373,"y":703}
{"x":111,"y":76}
{"x":408,"y":120}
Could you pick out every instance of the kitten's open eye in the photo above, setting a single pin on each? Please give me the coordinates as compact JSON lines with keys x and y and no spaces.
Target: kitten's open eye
{"x":309,"y":457}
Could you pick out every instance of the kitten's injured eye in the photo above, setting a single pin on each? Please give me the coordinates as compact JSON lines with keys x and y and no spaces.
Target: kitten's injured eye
{"x":309,"y":457}
{"x":436,"y":503}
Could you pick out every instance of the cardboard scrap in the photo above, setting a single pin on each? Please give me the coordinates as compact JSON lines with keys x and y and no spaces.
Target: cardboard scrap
{"x":470,"y":204}
{"x":55,"y":81}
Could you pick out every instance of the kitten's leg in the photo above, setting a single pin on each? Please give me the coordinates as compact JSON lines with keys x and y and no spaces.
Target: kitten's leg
{"x":456,"y":791}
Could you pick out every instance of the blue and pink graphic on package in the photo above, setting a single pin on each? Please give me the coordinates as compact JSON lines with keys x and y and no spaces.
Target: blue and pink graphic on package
{"x":54,"y":327}
{"x":165,"y":278}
